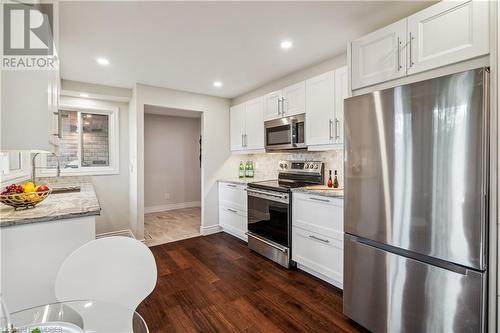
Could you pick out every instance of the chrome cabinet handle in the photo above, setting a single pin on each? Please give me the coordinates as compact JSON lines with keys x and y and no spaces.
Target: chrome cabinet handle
{"x":232,"y":210}
{"x":231,"y":185}
{"x":283,"y":99}
{"x":319,"y":239}
{"x":337,"y":136}
{"x":318,"y":199}
{"x":279,"y":108}
{"x":411,"y":53}
{"x":330,"y":127}
{"x":399,"y":54}
{"x":246,"y":140}
{"x":59,"y":124}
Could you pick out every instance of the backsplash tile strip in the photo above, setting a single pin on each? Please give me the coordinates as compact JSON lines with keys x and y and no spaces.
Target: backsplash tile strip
{"x":266,"y":165}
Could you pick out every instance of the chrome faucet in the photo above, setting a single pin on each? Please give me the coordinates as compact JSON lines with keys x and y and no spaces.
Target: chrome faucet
{"x":33,"y":167}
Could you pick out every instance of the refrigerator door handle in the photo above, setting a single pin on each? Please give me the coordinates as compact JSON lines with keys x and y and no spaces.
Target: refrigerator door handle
{"x":412,"y":255}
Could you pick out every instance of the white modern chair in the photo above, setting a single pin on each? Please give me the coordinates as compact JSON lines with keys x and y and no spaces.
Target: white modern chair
{"x":117,"y":270}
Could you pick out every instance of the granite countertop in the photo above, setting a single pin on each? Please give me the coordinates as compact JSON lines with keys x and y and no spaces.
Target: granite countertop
{"x":321,"y":191}
{"x":241,"y":180}
{"x":56,"y":207}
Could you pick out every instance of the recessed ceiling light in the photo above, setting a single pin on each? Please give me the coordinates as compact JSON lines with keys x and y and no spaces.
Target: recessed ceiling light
{"x":102,"y":61}
{"x":286,"y":44}
{"x":85,"y":95}
{"x":217,"y":84}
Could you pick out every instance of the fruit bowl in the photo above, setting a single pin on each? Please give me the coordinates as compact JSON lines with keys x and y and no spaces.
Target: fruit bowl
{"x":22,"y":200}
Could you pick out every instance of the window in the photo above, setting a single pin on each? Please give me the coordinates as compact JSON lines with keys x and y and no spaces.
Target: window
{"x":89,"y":143}
{"x":13,"y":166}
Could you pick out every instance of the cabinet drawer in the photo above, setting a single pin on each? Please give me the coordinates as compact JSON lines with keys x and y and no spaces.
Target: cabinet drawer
{"x":319,"y":253}
{"x":319,"y":214}
{"x":233,"y":221}
{"x":233,"y":195}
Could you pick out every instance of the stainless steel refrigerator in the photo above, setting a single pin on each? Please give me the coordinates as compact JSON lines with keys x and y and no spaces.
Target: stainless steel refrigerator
{"x":416,"y":206}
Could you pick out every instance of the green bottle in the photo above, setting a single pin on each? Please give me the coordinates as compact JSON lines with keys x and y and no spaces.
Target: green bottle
{"x":242,"y":170}
{"x":250,"y":169}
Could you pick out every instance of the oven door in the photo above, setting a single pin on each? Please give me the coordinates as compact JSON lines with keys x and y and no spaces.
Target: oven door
{"x":269,"y":216}
{"x":285,"y":133}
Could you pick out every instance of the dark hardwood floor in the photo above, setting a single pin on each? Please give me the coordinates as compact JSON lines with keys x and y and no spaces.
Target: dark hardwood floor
{"x":216,"y":284}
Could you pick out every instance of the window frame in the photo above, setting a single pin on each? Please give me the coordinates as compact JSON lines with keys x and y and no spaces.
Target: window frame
{"x":114,"y":144}
{"x":18,"y":175}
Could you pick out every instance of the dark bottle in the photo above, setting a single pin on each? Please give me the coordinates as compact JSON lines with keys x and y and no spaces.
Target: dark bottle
{"x":335,"y":181}
{"x":330,"y":183}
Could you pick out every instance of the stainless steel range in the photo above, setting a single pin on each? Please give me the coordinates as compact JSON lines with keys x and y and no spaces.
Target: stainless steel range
{"x":269,"y":209}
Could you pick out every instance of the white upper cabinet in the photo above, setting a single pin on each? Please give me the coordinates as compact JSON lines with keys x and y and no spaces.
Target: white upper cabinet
{"x":294,"y":99}
{"x":446,"y":33}
{"x":273,"y":105}
{"x":443,"y":34}
{"x":247,"y":125}
{"x":237,"y":126}
{"x":29,"y":106}
{"x":29,"y":101}
{"x":325,"y":96}
{"x":320,"y":106}
{"x":379,"y":56}
{"x":341,"y":93}
{"x":285,"y":102}
{"x":254,"y":124}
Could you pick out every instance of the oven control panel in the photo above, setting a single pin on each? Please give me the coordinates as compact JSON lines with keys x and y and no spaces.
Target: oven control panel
{"x":301,"y":166}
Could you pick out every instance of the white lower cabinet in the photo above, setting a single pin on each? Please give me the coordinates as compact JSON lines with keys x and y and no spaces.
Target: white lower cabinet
{"x":233,"y":209}
{"x":318,"y":236}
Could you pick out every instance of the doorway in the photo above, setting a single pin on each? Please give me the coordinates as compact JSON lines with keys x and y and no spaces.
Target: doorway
{"x":172,"y":174}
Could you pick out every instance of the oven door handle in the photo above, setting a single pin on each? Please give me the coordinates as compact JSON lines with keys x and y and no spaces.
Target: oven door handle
{"x":263,"y":240}
{"x":250,"y":191}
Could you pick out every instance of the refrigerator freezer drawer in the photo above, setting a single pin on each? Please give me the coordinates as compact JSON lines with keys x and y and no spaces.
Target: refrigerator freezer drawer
{"x":386,"y":292}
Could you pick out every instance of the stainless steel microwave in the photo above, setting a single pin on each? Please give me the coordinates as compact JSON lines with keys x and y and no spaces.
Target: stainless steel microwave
{"x":285,"y":133}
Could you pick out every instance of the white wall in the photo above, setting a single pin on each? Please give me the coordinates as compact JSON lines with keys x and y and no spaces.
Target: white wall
{"x":172,"y":173}
{"x":112,"y":190}
{"x":215,"y":132}
{"x":298,"y":76}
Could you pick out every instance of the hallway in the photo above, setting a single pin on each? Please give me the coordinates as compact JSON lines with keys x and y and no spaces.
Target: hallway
{"x":173,"y":225}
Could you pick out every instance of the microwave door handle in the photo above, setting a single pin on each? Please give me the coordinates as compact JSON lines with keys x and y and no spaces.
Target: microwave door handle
{"x":293,"y":134}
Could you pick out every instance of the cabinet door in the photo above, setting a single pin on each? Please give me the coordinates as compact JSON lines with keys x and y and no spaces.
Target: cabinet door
{"x":446,"y":33}
{"x":272,"y":108}
{"x":379,"y":56}
{"x":341,"y":93}
{"x":26,"y":106}
{"x":237,"y":126}
{"x":254,"y":124}
{"x":322,"y":254}
{"x":294,"y":99}
{"x":233,"y":196}
{"x":233,"y":221}
{"x":320,"y":104}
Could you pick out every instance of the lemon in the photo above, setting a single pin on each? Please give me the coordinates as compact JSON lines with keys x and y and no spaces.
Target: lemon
{"x":29,"y":187}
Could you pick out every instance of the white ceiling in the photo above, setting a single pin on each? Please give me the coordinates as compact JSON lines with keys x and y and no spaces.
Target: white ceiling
{"x":188,"y":45}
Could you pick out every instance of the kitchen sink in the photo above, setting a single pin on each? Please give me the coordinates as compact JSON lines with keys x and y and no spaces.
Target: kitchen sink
{"x":67,"y":189}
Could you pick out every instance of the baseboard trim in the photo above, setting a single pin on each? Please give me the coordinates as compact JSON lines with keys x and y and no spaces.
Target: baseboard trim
{"x":125,"y":233}
{"x":205,"y":231}
{"x":162,"y":208}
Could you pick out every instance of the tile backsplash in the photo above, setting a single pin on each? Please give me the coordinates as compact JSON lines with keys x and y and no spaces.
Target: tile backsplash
{"x":266,"y":165}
